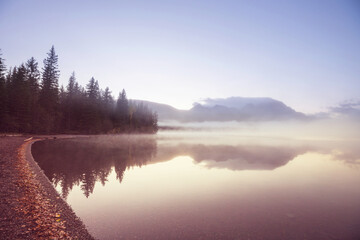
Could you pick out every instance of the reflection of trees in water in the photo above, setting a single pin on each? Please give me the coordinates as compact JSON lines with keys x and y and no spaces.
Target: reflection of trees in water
{"x":84,"y":161}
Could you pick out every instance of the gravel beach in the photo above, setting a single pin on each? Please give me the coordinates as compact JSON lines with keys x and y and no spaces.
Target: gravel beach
{"x":30,"y":207}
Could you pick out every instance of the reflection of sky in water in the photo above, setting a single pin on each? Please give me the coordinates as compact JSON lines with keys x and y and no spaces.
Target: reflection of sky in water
{"x":194,"y":190}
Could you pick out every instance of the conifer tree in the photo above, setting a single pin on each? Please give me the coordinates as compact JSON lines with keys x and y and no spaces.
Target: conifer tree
{"x":2,"y":66}
{"x":107,"y":109}
{"x":3,"y":95}
{"x":122,"y":109}
{"x":33,"y":78}
{"x":93,"y":89}
{"x":70,"y":88}
{"x":92,"y":119}
{"x":69,"y":110}
{"x":19,"y":95}
{"x":107,"y":98}
{"x":49,"y":94}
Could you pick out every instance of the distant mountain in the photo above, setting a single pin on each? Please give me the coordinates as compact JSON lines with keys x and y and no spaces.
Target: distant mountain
{"x":228,"y":109}
{"x":165,"y":112}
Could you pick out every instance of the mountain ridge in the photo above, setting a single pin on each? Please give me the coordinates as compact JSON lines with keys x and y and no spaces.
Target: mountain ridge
{"x":227,"y":109}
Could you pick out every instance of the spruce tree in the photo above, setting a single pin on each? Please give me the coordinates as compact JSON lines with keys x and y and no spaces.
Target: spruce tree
{"x":33,"y":78}
{"x":69,"y":110}
{"x":3,"y":95}
{"x":107,"y":109}
{"x":122,"y":109}
{"x":33,"y":72}
{"x":107,"y":98}
{"x":93,"y":89}
{"x":19,"y":95}
{"x":49,"y":94}
{"x":92,"y":119}
{"x":70,"y":88}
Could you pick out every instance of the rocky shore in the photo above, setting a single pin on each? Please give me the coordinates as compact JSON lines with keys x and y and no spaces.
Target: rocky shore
{"x":30,"y":207}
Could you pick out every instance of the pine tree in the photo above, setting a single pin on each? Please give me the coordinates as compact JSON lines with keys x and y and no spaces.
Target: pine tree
{"x":122,"y":110}
{"x":93,"y":89}
{"x":49,"y":94}
{"x":92,"y":116}
{"x":33,"y":72}
{"x":69,"y":110}
{"x":3,"y":95}
{"x":2,"y":66}
{"x":107,"y":109}
{"x":70,"y":88}
{"x":19,"y":105}
{"x":108,"y":99}
{"x":33,"y":78}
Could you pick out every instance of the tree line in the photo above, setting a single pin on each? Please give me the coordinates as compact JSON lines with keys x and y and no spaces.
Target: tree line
{"x":31,"y":101}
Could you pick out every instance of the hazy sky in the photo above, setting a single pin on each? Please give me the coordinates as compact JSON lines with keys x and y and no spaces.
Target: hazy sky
{"x":304,"y":53}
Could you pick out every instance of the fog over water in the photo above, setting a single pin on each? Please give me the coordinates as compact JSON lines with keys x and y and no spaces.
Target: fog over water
{"x":233,"y":181}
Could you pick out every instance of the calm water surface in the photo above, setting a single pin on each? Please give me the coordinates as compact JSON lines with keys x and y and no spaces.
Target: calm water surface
{"x":207,"y":186}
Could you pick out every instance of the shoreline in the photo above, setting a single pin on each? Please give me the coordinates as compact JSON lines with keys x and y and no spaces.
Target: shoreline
{"x":30,"y":207}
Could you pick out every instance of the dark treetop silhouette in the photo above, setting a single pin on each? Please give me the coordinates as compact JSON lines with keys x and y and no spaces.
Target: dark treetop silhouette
{"x":32,"y":102}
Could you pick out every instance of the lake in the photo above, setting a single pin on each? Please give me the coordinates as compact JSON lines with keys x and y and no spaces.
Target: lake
{"x":186,"y":185}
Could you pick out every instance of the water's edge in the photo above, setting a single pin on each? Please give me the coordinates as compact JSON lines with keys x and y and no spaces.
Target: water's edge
{"x":73,"y":223}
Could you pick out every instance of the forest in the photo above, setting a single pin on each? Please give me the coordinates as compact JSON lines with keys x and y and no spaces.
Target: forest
{"x":31,"y":101}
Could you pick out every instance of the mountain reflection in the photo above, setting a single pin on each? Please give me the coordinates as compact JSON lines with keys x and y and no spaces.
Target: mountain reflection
{"x":85,"y":161}
{"x":240,"y":157}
